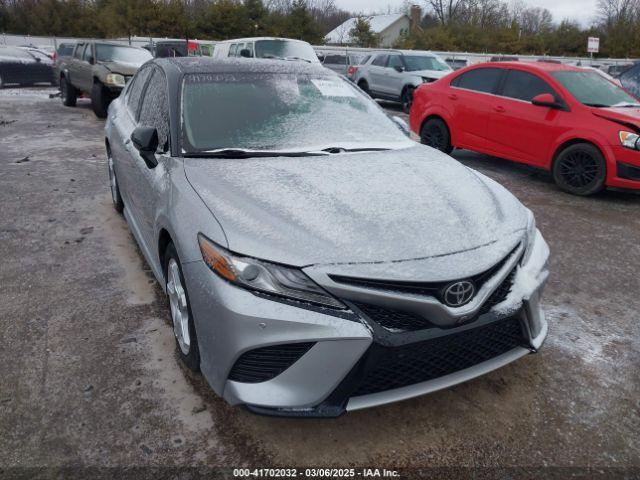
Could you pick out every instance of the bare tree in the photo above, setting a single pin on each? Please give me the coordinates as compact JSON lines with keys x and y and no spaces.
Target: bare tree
{"x":447,"y":11}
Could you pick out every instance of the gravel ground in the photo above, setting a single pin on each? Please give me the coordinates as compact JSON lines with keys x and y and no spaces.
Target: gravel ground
{"x":89,"y":376}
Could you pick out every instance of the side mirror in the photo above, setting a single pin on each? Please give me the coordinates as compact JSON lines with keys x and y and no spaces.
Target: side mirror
{"x":545,"y":100}
{"x":245,"y":52}
{"x":145,"y":139}
{"x":92,"y":60}
{"x":402,"y":125}
{"x":399,"y":68}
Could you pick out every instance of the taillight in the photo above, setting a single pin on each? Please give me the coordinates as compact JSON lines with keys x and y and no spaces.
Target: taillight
{"x":53,"y":57}
{"x":352,"y":70}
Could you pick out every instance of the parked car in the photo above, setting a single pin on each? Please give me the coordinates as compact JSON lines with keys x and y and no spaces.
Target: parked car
{"x":316,"y":259}
{"x":618,"y":69}
{"x":22,"y":67}
{"x":101,"y":70}
{"x":457,"y":63}
{"x":340,"y":62}
{"x":630,"y":79}
{"x":174,"y":48}
{"x":604,"y":75}
{"x":352,"y":71}
{"x":61,"y":56}
{"x":571,"y":121}
{"x":395,"y":74}
{"x":266,"y":47}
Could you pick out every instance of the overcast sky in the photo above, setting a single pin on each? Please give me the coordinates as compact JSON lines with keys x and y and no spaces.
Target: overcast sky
{"x":582,"y":11}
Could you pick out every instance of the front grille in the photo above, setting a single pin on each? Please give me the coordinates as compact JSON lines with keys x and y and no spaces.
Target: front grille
{"x":395,"y":367}
{"x":500,"y":293}
{"x":394,"y":320}
{"x":432,"y":289}
{"x":265,"y":363}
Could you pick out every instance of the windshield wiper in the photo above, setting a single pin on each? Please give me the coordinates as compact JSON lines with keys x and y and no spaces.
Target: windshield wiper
{"x":347,"y":150}
{"x":243,"y":153}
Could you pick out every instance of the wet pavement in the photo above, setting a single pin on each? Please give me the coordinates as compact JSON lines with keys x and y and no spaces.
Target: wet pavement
{"x":89,"y":375}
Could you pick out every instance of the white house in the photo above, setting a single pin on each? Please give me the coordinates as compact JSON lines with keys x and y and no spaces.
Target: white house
{"x":388,"y":27}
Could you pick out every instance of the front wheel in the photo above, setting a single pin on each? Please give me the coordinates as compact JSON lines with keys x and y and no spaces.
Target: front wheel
{"x":68,"y":93}
{"x":435,"y":134}
{"x":99,"y":100}
{"x":580,"y":169}
{"x":364,"y":86}
{"x":407,"y":99}
{"x":118,"y":204}
{"x":181,"y":316}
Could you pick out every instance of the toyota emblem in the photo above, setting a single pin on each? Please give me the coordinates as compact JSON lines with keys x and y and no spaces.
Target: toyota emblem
{"x":458,"y":293}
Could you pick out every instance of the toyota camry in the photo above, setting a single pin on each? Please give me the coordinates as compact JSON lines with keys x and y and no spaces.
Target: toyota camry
{"x":317,"y":260}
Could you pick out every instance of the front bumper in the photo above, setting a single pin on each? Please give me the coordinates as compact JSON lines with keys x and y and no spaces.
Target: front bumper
{"x":348,"y":350}
{"x":626,"y":168}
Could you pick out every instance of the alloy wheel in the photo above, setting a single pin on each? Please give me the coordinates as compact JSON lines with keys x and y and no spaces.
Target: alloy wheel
{"x":579,"y":169}
{"x":179,"y":307}
{"x":434,"y":137}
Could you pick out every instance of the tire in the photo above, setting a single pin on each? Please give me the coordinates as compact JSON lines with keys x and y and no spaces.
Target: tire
{"x":580,"y":169}
{"x":364,"y":86}
{"x":406,"y":98}
{"x":68,"y":93}
{"x":99,"y":100}
{"x":118,"y":203}
{"x":1,"y":82}
{"x":435,"y":134}
{"x":181,"y":316}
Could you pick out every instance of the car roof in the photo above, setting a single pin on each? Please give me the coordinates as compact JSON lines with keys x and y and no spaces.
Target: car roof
{"x":188,"y":65}
{"x":540,"y":66}
{"x":253,"y":39}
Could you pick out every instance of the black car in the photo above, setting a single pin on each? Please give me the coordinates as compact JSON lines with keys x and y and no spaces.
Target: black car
{"x":19,"y":66}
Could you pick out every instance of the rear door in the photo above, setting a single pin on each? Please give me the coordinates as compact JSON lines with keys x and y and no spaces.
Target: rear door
{"x":518,"y":129}
{"x":471,"y":98}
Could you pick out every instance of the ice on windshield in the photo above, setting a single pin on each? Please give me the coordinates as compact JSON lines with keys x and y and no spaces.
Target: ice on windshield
{"x":281,"y":112}
{"x":416,"y":62}
{"x":285,"y":49}
{"x":121,"y":54}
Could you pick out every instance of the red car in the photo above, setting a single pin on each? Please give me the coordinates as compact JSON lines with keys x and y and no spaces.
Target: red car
{"x":568,"y":120}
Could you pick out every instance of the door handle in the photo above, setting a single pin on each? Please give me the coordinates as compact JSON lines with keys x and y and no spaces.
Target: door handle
{"x":453,"y":96}
{"x":499,"y":109}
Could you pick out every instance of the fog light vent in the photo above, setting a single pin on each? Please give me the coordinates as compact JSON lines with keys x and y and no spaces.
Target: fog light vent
{"x":265,"y":363}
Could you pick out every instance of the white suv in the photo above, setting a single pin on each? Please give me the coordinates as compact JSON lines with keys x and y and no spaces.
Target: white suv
{"x":395,"y":74}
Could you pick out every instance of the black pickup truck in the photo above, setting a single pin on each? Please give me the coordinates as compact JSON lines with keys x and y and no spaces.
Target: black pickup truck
{"x":99,"y":69}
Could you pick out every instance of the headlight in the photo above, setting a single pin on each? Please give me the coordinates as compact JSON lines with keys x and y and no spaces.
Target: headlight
{"x":530,"y":237}
{"x":261,"y":276}
{"x":629,"y":140}
{"x":115,"y":79}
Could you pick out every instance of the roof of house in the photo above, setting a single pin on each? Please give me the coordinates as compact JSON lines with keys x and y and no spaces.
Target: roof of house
{"x":378,"y":24}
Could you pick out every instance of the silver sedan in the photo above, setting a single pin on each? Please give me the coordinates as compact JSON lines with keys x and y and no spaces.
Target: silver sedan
{"x":316,"y":259}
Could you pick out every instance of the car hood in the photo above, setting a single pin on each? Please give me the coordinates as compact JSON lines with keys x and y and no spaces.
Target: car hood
{"x":389,"y":206}
{"x":122,"y":68}
{"x":624,"y":116}
{"x":437,"y":74}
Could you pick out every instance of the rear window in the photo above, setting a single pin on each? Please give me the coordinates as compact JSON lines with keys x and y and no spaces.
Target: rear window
{"x":336,"y":59}
{"x":480,"y":80}
{"x":525,"y":86}
{"x":285,"y":49}
{"x":65,"y":50}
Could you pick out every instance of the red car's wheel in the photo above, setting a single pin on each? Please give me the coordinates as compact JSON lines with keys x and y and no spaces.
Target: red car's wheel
{"x":580,"y":169}
{"x":435,"y":134}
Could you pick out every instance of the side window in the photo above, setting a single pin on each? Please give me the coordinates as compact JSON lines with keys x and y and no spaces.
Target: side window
{"x":233,"y":49}
{"x":480,"y":80}
{"x":395,"y":61}
{"x":135,"y":90}
{"x":249,"y":46}
{"x":155,"y":108}
{"x":87,"y":53}
{"x":78,"y":52}
{"x":525,"y":86}
{"x":380,"y":61}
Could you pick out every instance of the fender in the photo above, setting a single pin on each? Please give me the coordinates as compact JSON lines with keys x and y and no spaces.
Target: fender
{"x":584,"y":135}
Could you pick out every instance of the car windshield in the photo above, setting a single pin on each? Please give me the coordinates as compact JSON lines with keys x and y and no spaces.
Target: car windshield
{"x":281,"y":112}
{"x":285,"y":49}
{"x":121,"y":54}
{"x":593,"y":90}
{"x":417,"y":62}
